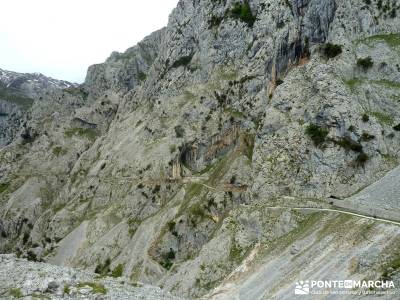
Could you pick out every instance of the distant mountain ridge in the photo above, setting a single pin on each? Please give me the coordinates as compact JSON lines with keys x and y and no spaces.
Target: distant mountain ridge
{"x":18,"y":92}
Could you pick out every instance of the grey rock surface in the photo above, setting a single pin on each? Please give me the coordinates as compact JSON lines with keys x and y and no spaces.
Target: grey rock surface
{"x":29,"y":280}
{"x":164,"y":164}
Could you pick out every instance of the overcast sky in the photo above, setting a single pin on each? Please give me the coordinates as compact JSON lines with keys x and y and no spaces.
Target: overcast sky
{"x":61,"y":38}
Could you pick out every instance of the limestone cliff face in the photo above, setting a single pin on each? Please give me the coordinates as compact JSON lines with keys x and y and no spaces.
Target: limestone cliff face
{"x":124,"y":71}
{"x":167,"y":160}
{"x":18,"y":93}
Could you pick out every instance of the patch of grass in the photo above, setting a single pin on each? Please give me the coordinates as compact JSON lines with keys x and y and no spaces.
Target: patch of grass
{"x":391,"y":159}
{"x":197,"y":212}
{"x":189,"y":96}
{"x":235,"y":253}
{"x":78,"y":92}
{"x":234,"y":113}
{"x":172,"y":148}
{"x":249,"y":141}
{"x":365,"y":63}
{"x":332,"y":50}
{"x":352,"y":83}
{"x":317,"y":134}
{"x":59,"y":151}
{"x":15,"y":97}
{"x":242,"y":11}
{"x":66,"y":289}
{"x":193,"y":190}
{"x":387,"y":83}
{"x":391,"y":268}
{"x":117,"y":272}
{"x":392,"y":40}
{"x":4,"y":187}
{"x":16,"y":293}
{"x":97,"y":288}
{"x":349,"y":144}
{"x":227,"y":74}
{"x":383,"y":118}
{"x":89,"y":133}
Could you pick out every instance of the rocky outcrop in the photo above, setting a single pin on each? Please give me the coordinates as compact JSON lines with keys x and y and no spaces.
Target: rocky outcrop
{"x":21,"y":279}
{"x":123,"y":71}
{"x":203,"y":148}
{"x":18,"y":92}
{"x":198,"y":155}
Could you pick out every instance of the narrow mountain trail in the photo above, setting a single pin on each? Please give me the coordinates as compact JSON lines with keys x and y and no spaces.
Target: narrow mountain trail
{"x":337,"y":211}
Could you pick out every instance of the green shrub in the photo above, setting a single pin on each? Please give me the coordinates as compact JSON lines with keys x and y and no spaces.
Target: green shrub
{"x":25,"y":237}
{"x":31,"y":256}
{"x":171,"y":226}
{"x":367,"y":137}
{"x":168,"y":259}
{"x":117,"y":272}
{"x":179,"y":131}
{"x":172,"y":148}
{"x":365,"y":63}
{"x":170,"y":254}
{"x":397,"y":128}
{"x":197,"y":212}
{"x":66,"y":289}
{"x":215,"y":21}
{"x":235,"y":253}
{"x":103,"y":269}
{"x":142,"y":76}
{"x":317,"y":133}
{"x":156,"y":189}
{"x":361,"y":159}
{"x":16,"y":293}
{"x":348,"y":144}
{"x":242,"y":11}
{"x":182,"y":61}
{"x":365,"y":118}
{"x":4,"y":187}
{"x":332,"y":50}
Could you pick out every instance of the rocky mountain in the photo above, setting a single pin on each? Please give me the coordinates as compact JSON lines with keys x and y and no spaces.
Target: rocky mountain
{"x":246,"y":146}
{"x":44,"y":281}
{"x":18,"y":92}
